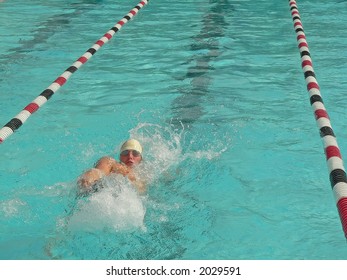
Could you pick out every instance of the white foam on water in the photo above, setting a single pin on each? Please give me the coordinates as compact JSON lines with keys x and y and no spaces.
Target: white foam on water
{"x":208,"y":154}
{"x":12,"y":207}
{"x":115,"y":205}
{"x":161,"y":150}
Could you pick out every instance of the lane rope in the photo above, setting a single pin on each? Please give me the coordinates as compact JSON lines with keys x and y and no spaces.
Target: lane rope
{"x":39,"y":101}
{"x":337,"y":172}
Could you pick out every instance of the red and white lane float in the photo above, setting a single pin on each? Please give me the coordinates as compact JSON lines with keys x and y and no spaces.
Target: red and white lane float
{"x":337,"y":172}
{"x":38,"y":102}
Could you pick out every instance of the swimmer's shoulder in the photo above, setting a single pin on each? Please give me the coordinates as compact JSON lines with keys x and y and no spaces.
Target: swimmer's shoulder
{"x":106,"y":160}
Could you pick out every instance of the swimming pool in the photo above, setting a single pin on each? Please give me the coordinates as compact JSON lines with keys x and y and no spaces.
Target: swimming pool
{"x":214,"y":91}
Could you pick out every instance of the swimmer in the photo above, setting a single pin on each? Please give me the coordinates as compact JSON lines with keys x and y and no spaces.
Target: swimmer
{"x":130,"y":156}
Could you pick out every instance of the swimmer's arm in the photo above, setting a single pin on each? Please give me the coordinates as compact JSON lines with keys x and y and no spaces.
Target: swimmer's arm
{"x":120,"y":169}
{"x":102,"y":168}
{"x":89,"y":177}
{"x":105,"y":166}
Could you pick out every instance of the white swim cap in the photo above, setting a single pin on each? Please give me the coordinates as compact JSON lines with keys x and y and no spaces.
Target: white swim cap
{"x":131,"y":144}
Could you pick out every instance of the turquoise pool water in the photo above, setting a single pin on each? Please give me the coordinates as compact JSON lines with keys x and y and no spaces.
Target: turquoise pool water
{"x":215,"y":92}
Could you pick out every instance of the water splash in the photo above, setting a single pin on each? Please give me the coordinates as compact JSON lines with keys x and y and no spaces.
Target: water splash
{"x":116,"y":205}
{"x":162,"y":149}
{"x":12,"y":207}
{"x":153,"y":221}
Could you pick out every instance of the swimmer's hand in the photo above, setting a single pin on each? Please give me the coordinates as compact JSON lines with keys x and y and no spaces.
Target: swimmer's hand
{"x":102,"y":168}
{"x":121,"y":169}
{"x":89,"y":178}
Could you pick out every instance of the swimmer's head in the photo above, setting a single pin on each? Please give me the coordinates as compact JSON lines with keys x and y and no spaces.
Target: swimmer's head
{"x":131,"y":152}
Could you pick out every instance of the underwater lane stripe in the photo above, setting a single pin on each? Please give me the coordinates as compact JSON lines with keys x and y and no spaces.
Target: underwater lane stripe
{"x":334,"y":160}
{"x":9,"y":128}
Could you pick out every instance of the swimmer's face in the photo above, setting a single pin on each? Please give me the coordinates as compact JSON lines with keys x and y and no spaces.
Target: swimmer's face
{"x":130,"y":157}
